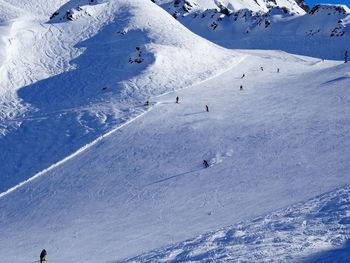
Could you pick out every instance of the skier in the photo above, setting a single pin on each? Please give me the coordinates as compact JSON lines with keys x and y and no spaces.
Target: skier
{"x":207,"y":108}
{"x":241,"y":87}
{"x":177,"y":99}
{"x":278,"y":70}
{"x":146,"y":103}
{"x":262,"y":69}
{"x":346,"y":57}
{"x":43,"y":256}
{"x":205,"y":163}
{"x":243,"y":76}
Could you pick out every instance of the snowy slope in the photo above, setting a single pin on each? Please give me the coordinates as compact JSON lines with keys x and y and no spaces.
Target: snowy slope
{"x":314,"y":231}
{"x":67,"y":81}
{"x":282,"y":140}
{"x":322,"y":32}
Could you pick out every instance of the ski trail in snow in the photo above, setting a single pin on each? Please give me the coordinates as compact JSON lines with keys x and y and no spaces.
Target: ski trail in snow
{"x":72,"y":155}
{"x":10,"y":190}
{"x":242,"y":58}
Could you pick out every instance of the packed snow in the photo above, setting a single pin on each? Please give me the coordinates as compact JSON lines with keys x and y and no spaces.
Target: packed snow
{"x":281,"y":140}
{"x":93,"y":173}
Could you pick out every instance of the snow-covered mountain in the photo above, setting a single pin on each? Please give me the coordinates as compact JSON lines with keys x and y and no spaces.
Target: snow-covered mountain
{"x":322,"y":31}
{"x":88,"y":75}
{"x":91,"y":173}
{"x":180,"y":6}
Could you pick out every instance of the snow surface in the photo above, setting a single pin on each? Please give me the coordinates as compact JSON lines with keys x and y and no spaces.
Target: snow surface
{"x":236,"y":5}
{"x":323,"y":32}
{"x":91,"y":174}
{"x":80,"y":83}
{"x":282,"y":140}
{"x":320,"y":224}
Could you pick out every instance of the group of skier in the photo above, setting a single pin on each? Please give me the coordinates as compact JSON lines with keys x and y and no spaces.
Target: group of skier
{"x":177,"y":99}
{"x":262,"y":69}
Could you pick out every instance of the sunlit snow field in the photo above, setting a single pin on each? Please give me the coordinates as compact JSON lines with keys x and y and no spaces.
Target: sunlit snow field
{"x":91,"y":174}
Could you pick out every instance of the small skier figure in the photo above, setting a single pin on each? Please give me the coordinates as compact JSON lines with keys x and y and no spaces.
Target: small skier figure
{"x":205,"y":163}
{"x":278,"y":70}
{"x":243,"y":76}
{"x":262,"y":69}
{"x":207,"y":108}
{"x":43,"y":256}
{"x":241,"y":87}
{"x":146,"y":103}
{"x":177,"y":99}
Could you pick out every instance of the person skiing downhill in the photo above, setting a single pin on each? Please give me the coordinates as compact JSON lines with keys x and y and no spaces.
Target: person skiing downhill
{"x":243,"y":76}
{"x":241,"y":87}
{"x":43,"y":256}
{"x":205,"y":163}
{"x":177,"y":99}
{"x":207,"y":108}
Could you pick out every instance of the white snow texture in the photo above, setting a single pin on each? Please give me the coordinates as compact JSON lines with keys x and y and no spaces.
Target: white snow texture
{"x":98,"y":163}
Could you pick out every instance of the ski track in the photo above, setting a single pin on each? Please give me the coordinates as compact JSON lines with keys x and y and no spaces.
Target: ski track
{"x":161,"y":188}
{"x":54,"y":58}
{"x":137,"y":183}
{"x":71,"y":156}
{"x":99,"y":138}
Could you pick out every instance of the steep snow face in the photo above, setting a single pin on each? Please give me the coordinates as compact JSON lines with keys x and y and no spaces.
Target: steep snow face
{"x":75,"y":76}
{"x":234,"y":5}
{"x":322,"y":21}
{"x":323,"y":32}
{"x":324,"y":9}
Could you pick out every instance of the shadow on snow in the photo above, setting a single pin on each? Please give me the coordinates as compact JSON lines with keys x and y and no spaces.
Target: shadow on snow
{"x":75,"y":107}
{"x":337,"y":255}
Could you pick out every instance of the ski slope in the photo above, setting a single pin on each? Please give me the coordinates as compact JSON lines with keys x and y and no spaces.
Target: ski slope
{"x":91,"y":174}
{"x":313,"y":231}
{"x":65,"y":83}
{"x":283,"y":139}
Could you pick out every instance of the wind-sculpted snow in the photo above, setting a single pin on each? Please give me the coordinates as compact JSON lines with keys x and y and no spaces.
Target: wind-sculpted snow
{"x":314,"y":231}
{"x":78,"y":78}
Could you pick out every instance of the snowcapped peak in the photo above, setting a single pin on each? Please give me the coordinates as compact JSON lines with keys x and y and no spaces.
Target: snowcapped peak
{"x":293,"y":6}
{"x":329,"y":9}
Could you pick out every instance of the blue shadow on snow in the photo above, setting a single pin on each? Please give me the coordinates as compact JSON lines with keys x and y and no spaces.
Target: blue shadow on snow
{"x":337,"y":255}
{"x":74,"y":107}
